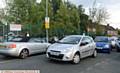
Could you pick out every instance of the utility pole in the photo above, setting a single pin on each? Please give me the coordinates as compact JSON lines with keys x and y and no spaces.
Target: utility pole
{"x":47,"y":21}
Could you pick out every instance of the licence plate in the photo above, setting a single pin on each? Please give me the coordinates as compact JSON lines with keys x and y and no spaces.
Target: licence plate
{"x":55,"y":53}
{"x":99,"y":47}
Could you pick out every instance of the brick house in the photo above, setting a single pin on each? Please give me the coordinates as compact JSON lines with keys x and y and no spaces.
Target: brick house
{"x":104,"y":29}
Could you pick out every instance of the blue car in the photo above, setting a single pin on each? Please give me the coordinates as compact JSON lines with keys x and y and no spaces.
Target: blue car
{"x":103,"y":44}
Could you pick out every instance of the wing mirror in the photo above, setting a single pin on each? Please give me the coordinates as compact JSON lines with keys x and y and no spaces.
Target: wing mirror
{"x":83,"y":43}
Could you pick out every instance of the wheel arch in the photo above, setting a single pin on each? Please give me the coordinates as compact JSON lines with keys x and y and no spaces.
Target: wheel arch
{"x":77,"y":52}
{"x":23,"y":49}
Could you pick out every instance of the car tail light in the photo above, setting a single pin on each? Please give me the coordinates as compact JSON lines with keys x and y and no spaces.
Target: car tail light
{"x":12,"y":46}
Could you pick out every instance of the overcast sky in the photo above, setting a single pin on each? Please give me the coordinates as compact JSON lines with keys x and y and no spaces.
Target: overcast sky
{"x":112,"y":6}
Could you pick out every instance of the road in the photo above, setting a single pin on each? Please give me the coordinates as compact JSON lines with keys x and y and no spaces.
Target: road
{"x":103,"y":63}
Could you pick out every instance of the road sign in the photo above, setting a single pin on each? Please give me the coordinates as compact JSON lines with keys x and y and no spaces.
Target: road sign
{"x":47,"y":20}
{"x":15,"y":27}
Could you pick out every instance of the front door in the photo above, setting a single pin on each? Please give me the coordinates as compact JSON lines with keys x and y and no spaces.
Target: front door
{"x":85,"y":47}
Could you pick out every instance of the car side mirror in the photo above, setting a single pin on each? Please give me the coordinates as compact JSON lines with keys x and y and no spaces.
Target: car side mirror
{"x":83,"y":43}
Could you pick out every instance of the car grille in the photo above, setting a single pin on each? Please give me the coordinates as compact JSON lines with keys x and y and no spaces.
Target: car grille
{"x":60,"y":56}
{"x":54,"y":51}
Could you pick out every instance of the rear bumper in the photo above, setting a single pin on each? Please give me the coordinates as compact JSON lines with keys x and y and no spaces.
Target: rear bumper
{"x":9,"y":52}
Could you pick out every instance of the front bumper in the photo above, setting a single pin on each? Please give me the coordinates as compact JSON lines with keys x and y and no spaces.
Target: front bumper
{"x":103,"y":49}
{"x":60,"y":57}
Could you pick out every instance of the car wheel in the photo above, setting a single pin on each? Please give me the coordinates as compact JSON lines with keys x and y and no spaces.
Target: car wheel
{"x":109,"y":51}
{"x":24,"y":53}
{"x":76,"y":59}
{"x":118,"y":50}
{"x":94,"y":54}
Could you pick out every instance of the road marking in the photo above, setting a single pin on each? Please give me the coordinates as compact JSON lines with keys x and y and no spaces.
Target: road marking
{"x":4,"y":61}
{"x":89,"y":68}
{"x":1,"y":62}
{"x":97,"y":64}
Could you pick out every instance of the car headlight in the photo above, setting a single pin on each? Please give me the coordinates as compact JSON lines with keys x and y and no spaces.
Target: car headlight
{"x":106,"y":46}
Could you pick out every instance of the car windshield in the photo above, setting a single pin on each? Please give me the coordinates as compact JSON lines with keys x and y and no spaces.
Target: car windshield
{"x":70,"y":40}
{"x":101,"y":39}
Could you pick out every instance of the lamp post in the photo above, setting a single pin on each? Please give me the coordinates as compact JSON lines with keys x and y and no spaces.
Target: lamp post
{"x":46,"y":19}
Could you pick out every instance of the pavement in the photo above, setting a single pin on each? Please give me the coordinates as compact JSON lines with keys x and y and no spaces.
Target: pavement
{"x":103,"y":63}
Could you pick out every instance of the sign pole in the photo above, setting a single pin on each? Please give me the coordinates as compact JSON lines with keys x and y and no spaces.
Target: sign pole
{"x":47,"y":22}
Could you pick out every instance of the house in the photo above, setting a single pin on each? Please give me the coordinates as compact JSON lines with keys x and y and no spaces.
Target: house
{"x":103,"y":29}
{"x":111,"y":31}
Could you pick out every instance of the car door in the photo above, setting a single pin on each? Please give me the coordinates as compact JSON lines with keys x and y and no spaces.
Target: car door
{"x":32,"y":47}
{"x":85,"y":47}
{"x":35,"y":46}
{"x":91,"y":45}
{"x":41,"y":46}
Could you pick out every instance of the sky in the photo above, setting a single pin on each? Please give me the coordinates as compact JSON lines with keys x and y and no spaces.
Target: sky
{"x":112,"y":7}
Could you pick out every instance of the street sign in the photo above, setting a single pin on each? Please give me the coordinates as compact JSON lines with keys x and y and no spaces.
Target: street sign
{"x":47,"y":20}
{"x":15,"y":27}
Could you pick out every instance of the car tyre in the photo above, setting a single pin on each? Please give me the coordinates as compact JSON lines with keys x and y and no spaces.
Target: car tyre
{"x":24,"y":54}
{"x":94,"y":54}
{"x":76,"y":59}
{"x":109,"y":51}
{"x":118,"y":50}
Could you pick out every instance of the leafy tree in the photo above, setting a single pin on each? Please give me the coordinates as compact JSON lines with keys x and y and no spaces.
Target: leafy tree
{"x":98,"y":15}
{"x":84,"y":20}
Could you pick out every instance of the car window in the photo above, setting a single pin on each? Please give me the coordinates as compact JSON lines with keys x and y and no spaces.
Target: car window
{"x":16,"y":39}
{"x":91,"y":39}
{"x":101,"y":39}
{"x":36,"y":40}
{"x":19,"y":39}
{"x":86,"y":40}
{"x":118,"y":39}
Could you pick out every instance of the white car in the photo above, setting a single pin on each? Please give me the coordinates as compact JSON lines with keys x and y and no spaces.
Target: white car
{"x":114,"y":41}
{"x":72,"y":48}
{"x":22,"y":48}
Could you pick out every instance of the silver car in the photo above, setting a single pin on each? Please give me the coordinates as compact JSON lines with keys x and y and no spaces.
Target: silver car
{"x":22,"y":48}
{"x":72,"y":48}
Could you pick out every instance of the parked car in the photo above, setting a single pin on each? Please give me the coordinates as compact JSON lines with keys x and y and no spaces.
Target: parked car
{"x":114,"y":41}
{"x":103,"y":44}
{"x":72,"y":48}
{"x":23,"y":47}
{"x":118,"y":44}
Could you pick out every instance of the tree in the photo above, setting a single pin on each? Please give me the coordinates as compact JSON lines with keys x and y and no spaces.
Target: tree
{"x":84,"y":20}
{"x":64,"y":17}
{"x":98,"y":15}
{"x":101,"y":15}
{"x":28,"y":13}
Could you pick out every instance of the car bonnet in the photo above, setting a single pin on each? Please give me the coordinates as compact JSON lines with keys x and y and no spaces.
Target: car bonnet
{"x":60,"y":47}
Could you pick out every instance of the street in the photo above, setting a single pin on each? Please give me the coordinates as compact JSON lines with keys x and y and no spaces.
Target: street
{"x":103,"y":63}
